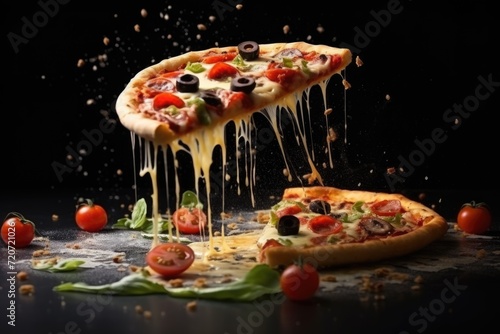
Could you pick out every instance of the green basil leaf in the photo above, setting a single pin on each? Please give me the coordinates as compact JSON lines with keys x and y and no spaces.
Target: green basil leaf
{"x":122,"y":223}
{"x":63,"y":266}
{"x":139,"y":214}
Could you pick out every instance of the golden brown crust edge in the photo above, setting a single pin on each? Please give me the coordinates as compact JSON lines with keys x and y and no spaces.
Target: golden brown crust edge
{"x":160,"y":133}
{"x":369,"y":251}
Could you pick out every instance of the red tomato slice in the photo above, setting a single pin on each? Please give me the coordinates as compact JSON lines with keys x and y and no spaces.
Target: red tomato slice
{"x":386,"y":207}
{"x":289,"y":211}
{"x":189,"y":221}
{"x":221,"y":71}
{"x":324,"y":225}
{"x":217,"y":58}
{"x":170,"y":259}
{"x":164,"y":100}
{"x":283,"y":76}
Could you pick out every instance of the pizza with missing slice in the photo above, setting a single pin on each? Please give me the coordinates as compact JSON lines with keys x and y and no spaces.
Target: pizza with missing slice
{"x":329,"y":227}
{"x":197,"y":91}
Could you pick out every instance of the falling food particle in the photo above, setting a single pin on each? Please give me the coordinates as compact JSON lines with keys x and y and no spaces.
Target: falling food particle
{"x":105,"y":41}
{"x":421,"y":196}
{"x":90,"y":102}
{"x":286,"y":172}
{"x":286,"y":29}
{"x":391,"y":170}
{"x":346,"y":84}
{"x":387,"y":97}
{"x":320,"y":29}
{"x":332,"y":135}
{"x":239,"y":6}
{"x":55,"y":217}
{"x":144,"y":12}
{"x":137,"y":28}
{"x":328,"y":111}
{"x":359,"y":62}
{"x":80,"y":63}
{"x":211,"y":18}
{"x":202,"y":27}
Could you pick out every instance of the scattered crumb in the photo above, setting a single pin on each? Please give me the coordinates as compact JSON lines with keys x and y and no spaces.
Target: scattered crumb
{"x":480,"y":253}
{"x":286,"y":29}
{"x":134,"y":268}
{"x":144,"y":12}
{"x":139,"y":309}
{"x":147,"y":314}
{"x":332,"y":136}
{"x":202,"y":27}
{"x":73,"y":246}
{"x":55,"y":217}
{"x":359,"y":62}
{"x":346,"y":84}
{"x":211,"y":18}
{"x":418,"y":279}
{"x":118,"y":259}
{"x":191,"y":306}
{"x":137,"y":28}
{"x":226,"y":279}
{"x":320,"y":29}
{"x":225,"y":215}
{"x":105,"y":40}
{"x":217,"y":234}
{"x":387,"y":97}
{"x":176,"y":283}
{"x":421,"y":196}
{"x":22,"y":276}
{"x":391,"y":170}
{"x":41,"y":252}
{"x":329,"y":278}
{"x":328,"y":111}
{"x":286,"y":172}
{"x":416,"y":287}
{"x":263,"y":217}
{"x":239,"y":6}
{"x":200,"y":282}
{"x":90,"y":102}
{"x":80,"y":63}
{"x":27,"y":289}
{"x":232,"y":226}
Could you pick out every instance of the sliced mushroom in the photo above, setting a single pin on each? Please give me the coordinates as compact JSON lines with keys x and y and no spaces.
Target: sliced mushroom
{"x":376,"y":226}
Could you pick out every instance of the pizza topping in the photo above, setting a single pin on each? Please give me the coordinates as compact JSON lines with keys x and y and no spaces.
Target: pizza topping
{"x":320,"y":206}
{"x":288,"y":225}
{"x":214,"y":57}
{"x":249,"y":50}
{"x":165,"y":99}
{"x":376,"y":226}
{"x":222,"y":71}
{"x":386,"y":207}
{"x":187,"y":83}
{"x":325,"y":225}
{"x":243,"y":84}
{"x":160,"y":84}
{"x":289,"y":53}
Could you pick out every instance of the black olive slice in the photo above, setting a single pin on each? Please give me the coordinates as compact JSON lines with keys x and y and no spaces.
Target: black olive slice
{"x":288,"y":225}
{"x":243,"y":84}
{"x":249,"y":50}
{"x":320,"y":206}
{"x":211,"y":98}
{"x":187,"y":83}
{"x":376,"y":226}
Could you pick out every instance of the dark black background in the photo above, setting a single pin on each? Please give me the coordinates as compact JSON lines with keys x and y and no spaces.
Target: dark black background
{"x":427,"y":57}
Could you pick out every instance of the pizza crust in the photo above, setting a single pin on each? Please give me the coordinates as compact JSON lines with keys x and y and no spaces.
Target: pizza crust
{"x":324,"y":256}
{"x":127,"y":104}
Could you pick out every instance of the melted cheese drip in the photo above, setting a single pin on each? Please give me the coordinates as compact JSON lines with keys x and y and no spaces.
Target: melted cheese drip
{"x":200,"y":145}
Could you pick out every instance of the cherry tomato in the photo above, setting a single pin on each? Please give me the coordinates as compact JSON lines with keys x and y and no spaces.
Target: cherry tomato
{"x":189,"y":221}
{"x":91,"y":217}
{"x":324,"y":224}
{"x":170,"y":259}
{"x":386,"y":207}
{"x":17,"y":231}
{"x":474,"y":218}
{"x":299,"y":281}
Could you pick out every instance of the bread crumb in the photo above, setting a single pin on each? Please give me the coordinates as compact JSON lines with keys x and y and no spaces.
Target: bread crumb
{"x":201,"y":27}
{"x":80,"y":63}
{"x":73,"y":246}
{"x":134,"y":268}
{"x":480,"y":253}
{"x":387,"y":97}
{"x":211,"y":18}
{"x":359,"y":62}
{"x":328,"y":111}
{"x":200,"y":282}
{"x":217,"y":234}
{"x":263,"y":217}
{"x":239,"y":6}
{"x":147,"y":314}
{"x":320,"y":29}
{"x":105,"y":40}
{"x":144,"y":12}
{"x":118,"y":259}
{"x":22,"y":276}
{"x":225,"y":215}
{"x":286,"y":29}
{"x":232,"y":226}
{"x":139,"y":309}
{"x":391,"y":170}
{"x":55,"y":217}
{"x":191,"y":306}
{"x":27,"y":289}
{"x":416,"y":287}
{"x":329,"y":278}
{"x":418,"y":279}
{"x":332,"y":136}
{"x":137,"y":28}
{"x":41,"y":252}
{"x":176,"y":283}
{"x":346,"y":84}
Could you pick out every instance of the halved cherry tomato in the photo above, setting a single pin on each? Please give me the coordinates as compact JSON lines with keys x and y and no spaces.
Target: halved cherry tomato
{"x":325,"y":225}
{"x":386,"y":207}
{"x":91,"y":217}
{"x":474,"y":218}
{"x":170,"y":259}
{"x":299,"y":281}
{"x":165,"y":99}
{"x":216,"y":58}
{"x":189,"y":220}
{"x":17,"y":231}
{"x":222,"y":71}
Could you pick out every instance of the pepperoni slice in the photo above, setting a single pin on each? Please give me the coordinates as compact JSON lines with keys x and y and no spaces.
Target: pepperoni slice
{"x":324,"y":225}
{"x":221,"y":71}
{"x":386,"y":207}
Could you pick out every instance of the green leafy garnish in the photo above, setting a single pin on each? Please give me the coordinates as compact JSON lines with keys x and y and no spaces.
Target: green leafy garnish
{"x":56,"y":267}
{"x":139,"y":221}
{"x":287,"y":62}
{"x":190,"y":200}
{"x":240,"y":63}
{"x":259,"y":281}
{"x":201,"y":111}
{"x":305,"y":69}
{"x":357,"y":206}
{"x":195,"y":67}
{"x":395,"y":220}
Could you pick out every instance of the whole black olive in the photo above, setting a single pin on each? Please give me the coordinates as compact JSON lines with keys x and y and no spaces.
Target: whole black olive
{"x":243,"y":84}
{"x":187,"y":83}
{"x":376,"y":226}
{"x":320,"y":206}
{"x":249,"y":50}
{"x":288,"y":225}
{"x":211,"y":98}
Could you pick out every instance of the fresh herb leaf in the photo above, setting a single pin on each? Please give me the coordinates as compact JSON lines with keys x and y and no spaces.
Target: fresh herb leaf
{"x":139,"y":220}
{"x":139,"y":214}
{"x":55,"y":267}
{"x":190,"y":200}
